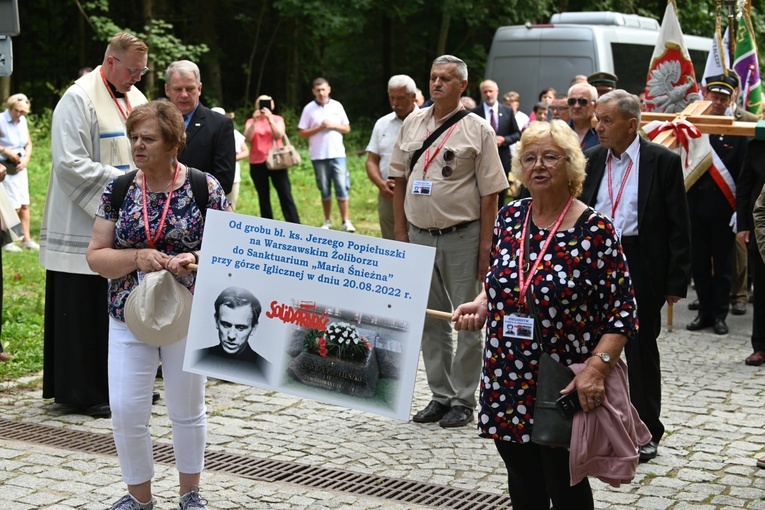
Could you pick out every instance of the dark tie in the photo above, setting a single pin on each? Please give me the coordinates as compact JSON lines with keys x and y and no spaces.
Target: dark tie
{"x":493,"y":121}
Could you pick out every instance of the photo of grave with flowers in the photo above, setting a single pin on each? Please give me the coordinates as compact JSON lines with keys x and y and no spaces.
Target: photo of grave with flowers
{"x":356,"y":354}
{"x":341,"y":340}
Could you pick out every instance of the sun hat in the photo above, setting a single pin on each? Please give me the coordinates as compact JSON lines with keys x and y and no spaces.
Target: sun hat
{"x":157,"y":312}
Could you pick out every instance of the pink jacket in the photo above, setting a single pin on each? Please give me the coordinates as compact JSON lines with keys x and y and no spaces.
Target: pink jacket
{"x":605,"y":442}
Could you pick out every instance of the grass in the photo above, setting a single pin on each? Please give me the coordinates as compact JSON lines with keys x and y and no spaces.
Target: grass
{"x":24,"y":278}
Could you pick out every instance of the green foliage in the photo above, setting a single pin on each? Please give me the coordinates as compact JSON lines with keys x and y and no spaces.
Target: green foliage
{"x":158,"y":35}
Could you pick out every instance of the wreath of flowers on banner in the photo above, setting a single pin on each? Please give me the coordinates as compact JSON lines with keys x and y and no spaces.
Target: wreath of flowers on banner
{"x":340,"y":340}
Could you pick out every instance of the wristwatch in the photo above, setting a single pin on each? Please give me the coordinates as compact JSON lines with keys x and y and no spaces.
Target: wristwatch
{"x":605,"y":357}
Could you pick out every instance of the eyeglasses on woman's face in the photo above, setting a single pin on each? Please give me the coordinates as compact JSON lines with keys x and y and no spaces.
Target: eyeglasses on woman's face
{"x":549,"y":160}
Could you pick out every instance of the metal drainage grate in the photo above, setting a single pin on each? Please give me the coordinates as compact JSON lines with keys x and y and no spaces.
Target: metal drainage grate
{"x":255,"y":468}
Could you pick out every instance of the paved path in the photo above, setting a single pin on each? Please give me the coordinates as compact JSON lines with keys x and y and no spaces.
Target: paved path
{"x":713,"y":410}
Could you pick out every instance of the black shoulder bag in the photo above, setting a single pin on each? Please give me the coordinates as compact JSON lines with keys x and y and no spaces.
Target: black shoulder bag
{"x":551,"y":426}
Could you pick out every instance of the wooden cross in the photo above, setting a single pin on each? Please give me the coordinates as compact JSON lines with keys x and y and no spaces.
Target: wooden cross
{"x":696,"y":114}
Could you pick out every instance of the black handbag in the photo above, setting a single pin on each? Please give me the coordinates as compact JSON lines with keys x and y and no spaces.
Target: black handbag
{"x":551,"y":426}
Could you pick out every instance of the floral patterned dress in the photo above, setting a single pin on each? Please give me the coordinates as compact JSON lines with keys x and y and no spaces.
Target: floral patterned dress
{"x":581,"y":291}
{"x":182,"y":231}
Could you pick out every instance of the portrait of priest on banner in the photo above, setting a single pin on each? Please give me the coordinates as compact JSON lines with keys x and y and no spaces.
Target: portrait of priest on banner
{"x":237,"y":314}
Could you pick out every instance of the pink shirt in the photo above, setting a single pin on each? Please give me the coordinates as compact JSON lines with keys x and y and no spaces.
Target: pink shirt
{"x":262,"y":139}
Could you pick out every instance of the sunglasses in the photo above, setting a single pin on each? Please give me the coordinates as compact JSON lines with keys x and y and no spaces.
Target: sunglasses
{"x":449,"y":155}
{"x":582,"y":101}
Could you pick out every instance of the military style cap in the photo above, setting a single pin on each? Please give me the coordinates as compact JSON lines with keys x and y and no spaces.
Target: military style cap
{"x":724,"y":84}
{"x":602,"y":78}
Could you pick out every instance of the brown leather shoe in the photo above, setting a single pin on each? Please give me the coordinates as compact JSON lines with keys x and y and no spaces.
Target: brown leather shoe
{"x":755,"y":359}
{"x":761,"y":463}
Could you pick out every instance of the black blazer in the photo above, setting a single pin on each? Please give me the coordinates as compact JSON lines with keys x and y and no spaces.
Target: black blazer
{"x":663,"y":220}
{"x":507,"y":127}
{"x":748,"y":186}
{"x":210,"y":146}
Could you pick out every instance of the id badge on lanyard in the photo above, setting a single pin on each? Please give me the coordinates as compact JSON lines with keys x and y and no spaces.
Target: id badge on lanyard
{"x":517,"y":325}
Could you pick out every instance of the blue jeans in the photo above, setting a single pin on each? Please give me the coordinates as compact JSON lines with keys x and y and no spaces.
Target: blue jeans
{"x":330,"y":171}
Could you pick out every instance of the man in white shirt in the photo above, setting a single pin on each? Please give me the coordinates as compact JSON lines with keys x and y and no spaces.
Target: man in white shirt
{"x":402,"y":93}
{"x":324,"y":123}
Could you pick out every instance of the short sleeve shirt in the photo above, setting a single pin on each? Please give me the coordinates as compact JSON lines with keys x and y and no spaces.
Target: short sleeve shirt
{"x":327,"y":143}
{"x":476,"y":169}
{"x":383,"y":138}
{"x":182,"y":231}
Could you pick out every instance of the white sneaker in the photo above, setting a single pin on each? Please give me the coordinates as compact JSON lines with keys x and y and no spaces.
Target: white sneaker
{"x":348,"y":226}
{"x":128,"y":502}
{"x":11,"y":247}
{"x":30,"y":245}
{"x":327,"y":224}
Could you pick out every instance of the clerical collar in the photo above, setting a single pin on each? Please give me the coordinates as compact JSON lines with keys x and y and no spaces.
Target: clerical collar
{"x":117,"y":93}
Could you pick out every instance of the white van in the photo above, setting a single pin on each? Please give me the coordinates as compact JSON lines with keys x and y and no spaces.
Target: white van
{"x":529,"y":58}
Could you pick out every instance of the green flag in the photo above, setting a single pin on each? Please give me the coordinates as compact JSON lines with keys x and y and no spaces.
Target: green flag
{"x":746,"y":65}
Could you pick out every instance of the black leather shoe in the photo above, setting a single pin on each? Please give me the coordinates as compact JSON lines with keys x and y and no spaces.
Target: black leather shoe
{"x":458,"y":416}
{"x":694,"y":305}
{"x":434,"y":411}
{"x":720,"y":327}
{"x":649,"y":451}
{"x":738,"y":308}
{"x":699,"y":323}
{"x":98,"y":411}
{"x":155,"y":397}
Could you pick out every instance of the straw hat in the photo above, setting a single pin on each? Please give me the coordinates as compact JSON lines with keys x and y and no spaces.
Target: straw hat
{"x":157,"y":312}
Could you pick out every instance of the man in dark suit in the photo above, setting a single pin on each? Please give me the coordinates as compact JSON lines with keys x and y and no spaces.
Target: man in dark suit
{"x":237,"y":312}
{"x":502,"y":120}
{"x":209,"y":135}
{"x":750,"y":184}
{"x":639,"y":184}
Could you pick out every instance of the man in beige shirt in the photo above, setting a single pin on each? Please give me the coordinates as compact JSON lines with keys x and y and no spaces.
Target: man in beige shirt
{"x":448,"y":201}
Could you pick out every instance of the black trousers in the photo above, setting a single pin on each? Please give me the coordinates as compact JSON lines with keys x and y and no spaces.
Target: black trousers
{"x":280,"y":178}
{"x":642,"y":352}
{"x":537,"y":474}
{"x":711,"y":241}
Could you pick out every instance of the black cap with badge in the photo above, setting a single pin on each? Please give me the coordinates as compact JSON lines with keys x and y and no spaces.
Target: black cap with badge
{"x":722,"y":83}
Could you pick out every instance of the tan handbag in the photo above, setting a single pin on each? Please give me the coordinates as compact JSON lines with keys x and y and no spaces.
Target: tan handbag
{"x":280,"y":158}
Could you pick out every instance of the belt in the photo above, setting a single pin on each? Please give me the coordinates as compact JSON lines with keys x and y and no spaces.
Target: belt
{"x":447,"y":230}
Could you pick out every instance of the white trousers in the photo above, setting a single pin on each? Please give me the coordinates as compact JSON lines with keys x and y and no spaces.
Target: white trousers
{"x":132,"y":370}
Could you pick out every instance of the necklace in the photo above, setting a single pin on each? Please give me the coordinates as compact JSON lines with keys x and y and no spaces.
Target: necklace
{"x":552,"y":223}
{"x":159,"y":191}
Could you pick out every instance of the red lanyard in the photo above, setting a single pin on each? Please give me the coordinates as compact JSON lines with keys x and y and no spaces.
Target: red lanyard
{"x":114,"y":98}
{"x":149,"y":238}
{"x":428,"y":159}
{"x":523,"y":283}
{"x":615,"y":203}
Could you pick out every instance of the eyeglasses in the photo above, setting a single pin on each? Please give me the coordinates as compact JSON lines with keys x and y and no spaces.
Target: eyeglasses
{"x":559,"y":108}
{"x":549,"y":160}
{"x":134,"y":72}
{"x":582,"y":101}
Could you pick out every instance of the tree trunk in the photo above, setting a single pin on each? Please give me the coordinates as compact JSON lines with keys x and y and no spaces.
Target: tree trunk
{"x":443,"y":33}
{"x":213,"y":88}
{"x":150,"y":80}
